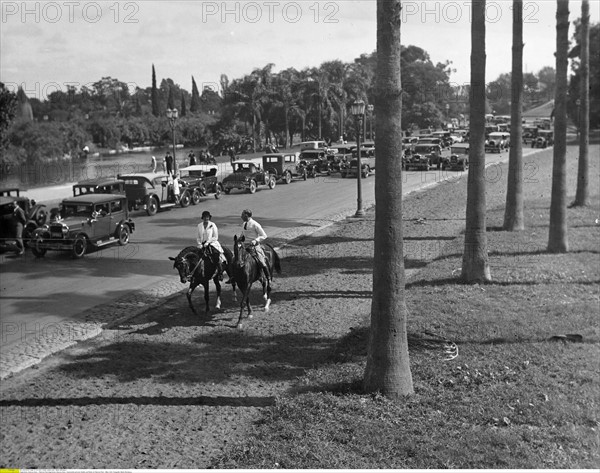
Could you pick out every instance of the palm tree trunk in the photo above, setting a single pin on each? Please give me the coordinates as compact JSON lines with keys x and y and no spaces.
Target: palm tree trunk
{"x":582,"y":193}
{"x":513,"y":213}
{"x":557,"y":239}
{"x":388,"y":367}
{"x":475,"y":265}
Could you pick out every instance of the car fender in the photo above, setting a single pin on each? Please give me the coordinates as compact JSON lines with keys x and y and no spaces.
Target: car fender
{"x":125,"y":223}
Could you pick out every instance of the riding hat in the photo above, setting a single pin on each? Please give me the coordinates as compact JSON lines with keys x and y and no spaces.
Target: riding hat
{"x":206,"y":213}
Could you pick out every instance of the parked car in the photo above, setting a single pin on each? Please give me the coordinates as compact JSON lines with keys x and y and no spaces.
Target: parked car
{"x":248,"y":175}
{"x":418,"y":161}
{"x":311,"y":145}
{"x":432,"y":151}
{"x":367,"y":163}
{"x":86,"y":222}
{"x":497,"y":142}
{"x":36,"y":215}
{"x":150,"y":191}
{"x":315,"y":162}
{"x":530,"y":133}
{"x":99,"y":186}
{"x":284,"y":166}
{"x":198,"y":181}
{"x":544,"y":139}
{"x":459,"y":157}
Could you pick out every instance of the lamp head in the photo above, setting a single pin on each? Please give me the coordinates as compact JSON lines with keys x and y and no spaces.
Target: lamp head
{"x":357,"y":108}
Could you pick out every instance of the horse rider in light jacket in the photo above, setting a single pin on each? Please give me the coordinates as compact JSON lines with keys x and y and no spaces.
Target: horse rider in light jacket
{"x":208,"y":235}
{"x":253,"y":231}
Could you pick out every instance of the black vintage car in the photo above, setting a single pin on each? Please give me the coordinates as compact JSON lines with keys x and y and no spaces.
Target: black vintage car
{"x":85,"y":222}
{"x":459,"y":157}
{"x":314,"y":162}
{"x":544,"y":139}
{"x":198,"y":181}
{"x":36,"y":215}
{"x":152,"y":192}
{"x":248,"y":175}
{"x":99,"y":186}
{"x":284,"y":166}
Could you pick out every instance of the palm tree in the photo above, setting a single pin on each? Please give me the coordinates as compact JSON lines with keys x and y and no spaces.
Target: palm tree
{"x":582,"y":193}
{"x":388,"y":367}
{"x":557,"y":238}
{"x":513,"y":213}
{"x":475,"y":265}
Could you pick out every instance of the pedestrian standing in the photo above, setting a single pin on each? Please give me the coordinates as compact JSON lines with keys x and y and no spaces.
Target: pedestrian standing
{"x":169,"y":163}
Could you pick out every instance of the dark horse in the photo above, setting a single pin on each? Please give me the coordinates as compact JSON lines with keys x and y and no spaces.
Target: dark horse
{"x":198,"y":266}
{"x":246,"y":271}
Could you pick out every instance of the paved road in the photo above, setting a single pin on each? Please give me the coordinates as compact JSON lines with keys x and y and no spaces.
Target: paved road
{"x":51,"y":302}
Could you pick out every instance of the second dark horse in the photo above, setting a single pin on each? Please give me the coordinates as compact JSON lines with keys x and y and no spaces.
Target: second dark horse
{"x":246,"y":271}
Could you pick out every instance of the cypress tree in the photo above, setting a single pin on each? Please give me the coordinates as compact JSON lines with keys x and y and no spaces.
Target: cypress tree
{"x":155,"y":110}
{"x":195,"y":105}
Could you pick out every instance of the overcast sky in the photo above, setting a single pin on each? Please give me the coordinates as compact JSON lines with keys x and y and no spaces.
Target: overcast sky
{"x":47,"y":45}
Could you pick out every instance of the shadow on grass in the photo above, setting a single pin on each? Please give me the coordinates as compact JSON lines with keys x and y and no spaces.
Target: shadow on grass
{"x":213,"y":358}
{"x":246,"y":401}
{"x":458,"y":282}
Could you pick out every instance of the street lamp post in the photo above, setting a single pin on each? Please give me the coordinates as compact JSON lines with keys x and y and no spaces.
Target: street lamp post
{"x":370,"y":108}
{"x":358,"y":110}
{"x":172,"y":115}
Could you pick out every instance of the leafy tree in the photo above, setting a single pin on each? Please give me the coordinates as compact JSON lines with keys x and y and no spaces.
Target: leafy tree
{"x":475,"y":265}
{"x":513,"y":213}
{"x":388,"y":366}
{"x":8,"y":110}
{"x":557,"y":238}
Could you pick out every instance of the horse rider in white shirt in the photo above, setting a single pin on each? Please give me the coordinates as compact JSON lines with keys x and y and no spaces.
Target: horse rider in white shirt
{"x":208,"y":235}
{"x":253,"y":231}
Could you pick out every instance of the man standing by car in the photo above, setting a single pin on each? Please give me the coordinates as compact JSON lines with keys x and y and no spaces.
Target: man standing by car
{"x":169,"y":163}
{"x":253,"y":231}
{"x":19,"y":221}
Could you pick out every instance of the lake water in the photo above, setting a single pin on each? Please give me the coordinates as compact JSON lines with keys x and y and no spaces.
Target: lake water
{"x":69,"y":171}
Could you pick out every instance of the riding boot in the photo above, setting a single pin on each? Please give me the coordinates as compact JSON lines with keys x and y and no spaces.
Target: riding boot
{"x":267,"y":273}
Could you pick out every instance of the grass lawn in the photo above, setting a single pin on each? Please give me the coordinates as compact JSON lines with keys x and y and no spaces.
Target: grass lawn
{"x":520,"y":394}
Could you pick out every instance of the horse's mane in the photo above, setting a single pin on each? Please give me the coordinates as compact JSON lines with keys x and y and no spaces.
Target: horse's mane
{"x":186,"y":250}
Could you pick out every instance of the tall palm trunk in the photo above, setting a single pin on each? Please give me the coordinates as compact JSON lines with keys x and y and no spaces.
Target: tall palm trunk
{"x":582,"y":193}
{"x":557,"y":239}
{"x":475,"y":265}
{"x":388,"y":367}
{"x":513,"y":213}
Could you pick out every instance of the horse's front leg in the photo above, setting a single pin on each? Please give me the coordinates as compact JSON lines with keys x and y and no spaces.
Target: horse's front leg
{"x":246,"y":300}
{"x":206,"y":298}
{"x":218,"y":287}
{"x":266,"y":293}
{"x":189,"y":297}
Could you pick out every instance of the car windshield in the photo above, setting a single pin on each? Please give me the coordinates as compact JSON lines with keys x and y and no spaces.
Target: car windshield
{"x":243,"y":167}
{"x":76,"y":210}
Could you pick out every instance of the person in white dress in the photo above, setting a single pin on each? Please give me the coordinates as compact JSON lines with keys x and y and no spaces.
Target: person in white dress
{"x":208,"y":235}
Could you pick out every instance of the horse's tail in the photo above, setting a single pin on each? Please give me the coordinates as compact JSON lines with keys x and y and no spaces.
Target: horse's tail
{"x":276,"y":260}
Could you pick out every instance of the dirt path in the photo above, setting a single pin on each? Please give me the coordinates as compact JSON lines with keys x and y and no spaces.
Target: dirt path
{"x":170,"y":390}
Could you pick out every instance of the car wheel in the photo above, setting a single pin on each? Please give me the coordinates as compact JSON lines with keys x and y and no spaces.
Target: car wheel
{"x":123,"y":235}
{"x":185,"y":200}
{"x":288,"y":178}
{"x":252,"y":188}
{"x":196,"y":197}
{"x":227,"y":190}
{"x":152,"y":208}
{"x":36,"y":250}
{"x":272,"y":183}
{"x":344,"y":175}
{"x":79,"y":246}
